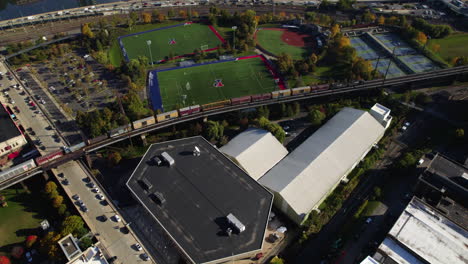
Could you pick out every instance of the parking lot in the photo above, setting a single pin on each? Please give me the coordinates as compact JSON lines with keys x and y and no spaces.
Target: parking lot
{"x":78,"y":82}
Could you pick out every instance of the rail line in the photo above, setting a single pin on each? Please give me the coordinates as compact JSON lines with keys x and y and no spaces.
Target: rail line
{"x":374,"y":84}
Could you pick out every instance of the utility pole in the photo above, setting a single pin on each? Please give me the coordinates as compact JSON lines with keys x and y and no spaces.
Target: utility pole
{"x":390,"y":61}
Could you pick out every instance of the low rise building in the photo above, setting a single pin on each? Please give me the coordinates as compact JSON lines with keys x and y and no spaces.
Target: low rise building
{"x":304,"y":178}
{"x":11,"y":138}
{"x":256,"y":151}
{"x":423,"y":235}
{"x":209,"y":207}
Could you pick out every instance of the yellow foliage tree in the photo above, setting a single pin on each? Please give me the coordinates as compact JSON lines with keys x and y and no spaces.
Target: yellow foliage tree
{"x":183,"y":14}
{"x":436,"y":47}
{"x":335,"y":29}
{"x":146,"y":18}
{"x":161,"y":17}
{"x":313,"y":58}
{"x":86,"y":30}
{"x":195,"y":14}
{"x":57,"y":201}
{"x":421,"y":37}
{"x":381,"y":20}
{"x":344,"y":42}
{"x":392,"y":20}
{"x":282,"y":14}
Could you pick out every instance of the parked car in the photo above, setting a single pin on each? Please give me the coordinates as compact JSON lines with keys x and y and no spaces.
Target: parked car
{"x":100,"y":197}
{"x":145,"y":257}
{"x":117,"y":218}
{"x":76,"y":197}
{"x":96,"y":190}
{"x":138,"y":247}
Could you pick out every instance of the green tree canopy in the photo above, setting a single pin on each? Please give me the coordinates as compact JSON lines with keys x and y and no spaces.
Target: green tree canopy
{"x":71,"y":224}
{"x":316,"y":117}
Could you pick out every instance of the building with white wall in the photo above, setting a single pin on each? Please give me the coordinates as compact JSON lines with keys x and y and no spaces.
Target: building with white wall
{"x":304,"y":178}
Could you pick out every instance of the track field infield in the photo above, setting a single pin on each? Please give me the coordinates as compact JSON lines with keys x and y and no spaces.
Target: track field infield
{"x":174,"y":41}
{"x":179,"y":87}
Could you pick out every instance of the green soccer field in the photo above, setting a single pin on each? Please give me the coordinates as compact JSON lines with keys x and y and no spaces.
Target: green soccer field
{"x":174,"y":41}
{"x":196,"y":85}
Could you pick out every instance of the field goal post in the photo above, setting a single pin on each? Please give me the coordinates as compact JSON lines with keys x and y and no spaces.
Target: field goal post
{"x":204,"y":47}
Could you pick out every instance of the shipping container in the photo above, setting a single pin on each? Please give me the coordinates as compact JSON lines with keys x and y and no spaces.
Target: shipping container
{"x":301,"y":90}
{"x":241,"y":100}
{"x":144,"y":122}
{"x":167,"y":116}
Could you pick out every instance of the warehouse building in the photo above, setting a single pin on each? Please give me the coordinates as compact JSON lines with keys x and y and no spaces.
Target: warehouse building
{"x":422,"y":235}
{"x":210,"y":208}
{"x":11,"y":138}
{"x":256,"y":151}
{"x":304,"y":178}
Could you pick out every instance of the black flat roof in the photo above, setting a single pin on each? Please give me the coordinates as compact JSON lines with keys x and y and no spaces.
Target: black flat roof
{"x":200,"y":191}
{"x":8,"y":129}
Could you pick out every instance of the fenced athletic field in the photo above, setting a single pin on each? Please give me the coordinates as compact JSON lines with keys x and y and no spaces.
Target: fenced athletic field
{"x":170,"y":42}
{"x":211,"y":82}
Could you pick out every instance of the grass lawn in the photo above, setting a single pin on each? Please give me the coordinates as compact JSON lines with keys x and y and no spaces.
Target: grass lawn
{"x":451,"y":46}
{"x":197,"y":84}
{"x":320,"y":75}
{"x":175,"y":41}
{"x":271,"y":41}
{"x":19,"y":218}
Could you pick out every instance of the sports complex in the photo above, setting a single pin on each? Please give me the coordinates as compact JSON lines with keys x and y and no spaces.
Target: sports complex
{"x":211,"y":82}
{"x":170,"y":42}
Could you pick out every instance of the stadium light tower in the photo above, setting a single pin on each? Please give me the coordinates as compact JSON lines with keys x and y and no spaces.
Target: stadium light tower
{"x":234,"y":37}
{"x":148,"y":42}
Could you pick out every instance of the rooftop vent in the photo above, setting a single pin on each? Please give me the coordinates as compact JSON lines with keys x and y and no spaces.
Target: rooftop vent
{"x":168,"y":158}
{"x":236,"y":223}
{"x":158,"y":198}
{"x":196,"y":151}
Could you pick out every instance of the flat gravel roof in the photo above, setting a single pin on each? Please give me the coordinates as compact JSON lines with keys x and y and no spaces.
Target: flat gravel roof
{"x":8,"y":129}
{"x":199,"y":192}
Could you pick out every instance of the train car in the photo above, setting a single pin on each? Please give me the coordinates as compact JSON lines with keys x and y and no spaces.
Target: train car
{"x":16,"y":170}
{"x":167,"y":116}
{"x":77,"y":147}
{"x":144,"y":122}
{"x":280,"y":93}
{"x":261,"y":97}
{"x":96,"y":139}
{"x":215,"y":105}
{"x":241,"y":100}
{"x":49,"y":157}
{"x":320,"y":87}
{"x":120,"y":130}
{"x":189,"y":110}
{"x":300,"y":90}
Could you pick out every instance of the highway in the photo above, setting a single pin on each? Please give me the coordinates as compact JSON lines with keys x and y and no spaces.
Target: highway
{"x":375,"y":84}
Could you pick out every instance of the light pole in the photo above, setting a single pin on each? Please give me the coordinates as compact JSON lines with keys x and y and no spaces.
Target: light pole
{"x":148,"y":42}
{"x":390,"y":61}
{"x":234,"y":37}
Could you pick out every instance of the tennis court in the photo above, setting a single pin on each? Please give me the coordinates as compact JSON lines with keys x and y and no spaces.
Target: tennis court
{"x":393,"y":70}
{"x":364,"y":50}
{"x":390,"y":40}
{"x":170,"y":42}
{"x":211,"y":82}
{"x":418,"y":63}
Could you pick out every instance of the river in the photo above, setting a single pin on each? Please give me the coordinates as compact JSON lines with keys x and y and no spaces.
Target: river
{"x":17,"y":8}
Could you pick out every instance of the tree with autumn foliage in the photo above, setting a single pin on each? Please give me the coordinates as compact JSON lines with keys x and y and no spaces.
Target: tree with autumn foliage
{"x":86,"y":30}
{"x":4,"y":260}
{"x":183,"y":14}
{"x":435,"y":47}
{"x":421,"y":37}
{"x":381,"y":20}
{"x":30,"y":240}
{"x":335,"y":29}
{"x":48,"y":246}
{"x":146,"y":17}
